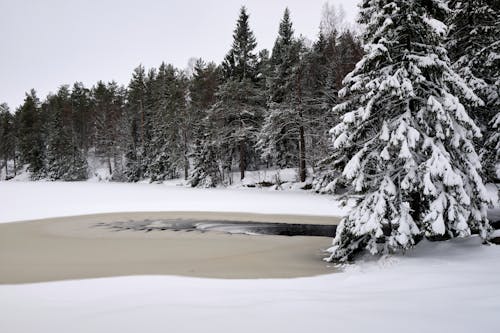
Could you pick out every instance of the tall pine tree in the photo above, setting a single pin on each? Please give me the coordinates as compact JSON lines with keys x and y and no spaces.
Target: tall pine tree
{"x":31,"y":135}
{"x":136,"y":119}
{"x":279,"y":136}
{"x":7,"y":138}
{"x":240,"y":99}
{"x":64,"y":160}
{"x":205,"y":157}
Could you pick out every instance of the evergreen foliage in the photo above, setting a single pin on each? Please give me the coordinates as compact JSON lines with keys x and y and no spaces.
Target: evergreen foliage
{"x":405,"y":142}
{"x":206,"y":171}
{"x":240,"y":102}
{"x":474,"y":48}
{"x":108,"y":102}
{"x":279,"y":136}
{"x":205,"y":158}
{"x":7,"y":139}
{"x":31,"y":136}
{"x":65,"y":161}
{"x":135,"y":111}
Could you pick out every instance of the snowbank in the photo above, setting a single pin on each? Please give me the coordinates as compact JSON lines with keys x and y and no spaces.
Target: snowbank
{"x":449,"y":286}
{"x":33,"y":200}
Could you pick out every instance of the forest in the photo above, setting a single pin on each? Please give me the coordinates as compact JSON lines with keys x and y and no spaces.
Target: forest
{"x":257,"y":109}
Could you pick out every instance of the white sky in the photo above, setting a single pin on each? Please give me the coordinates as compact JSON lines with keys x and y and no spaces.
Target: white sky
{"x":44,"y":44}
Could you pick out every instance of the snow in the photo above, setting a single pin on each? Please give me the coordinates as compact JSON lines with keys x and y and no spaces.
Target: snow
{"x":33,"y":200}
{"x":439,"y":27}
{"x":447,"y":286}
{"x":452,"y":286}
{"x":494,"y":194}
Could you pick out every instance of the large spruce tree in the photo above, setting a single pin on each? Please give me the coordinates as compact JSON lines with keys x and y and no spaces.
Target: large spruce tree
{"x":7,"y":139}
{"x":64,"y":160}
{"x":279,"y":137}
{"x":405,"y":142}
{"x":205,"y":171}
{"x":136,"y":119}
{"x":165,"y":149}
{"x":240,"y":99}
{"x":31,"y":135}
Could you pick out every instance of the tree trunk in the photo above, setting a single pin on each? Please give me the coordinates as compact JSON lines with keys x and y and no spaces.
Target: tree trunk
{"x":302,"y":139}
{"x":242,"y":160}
{"x":186,"y":169}
{"x":302,"y":155}
{"x":110,"y":166}
{"x":186,"y":152}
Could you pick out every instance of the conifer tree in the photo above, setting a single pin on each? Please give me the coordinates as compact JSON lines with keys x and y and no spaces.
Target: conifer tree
{"x":7,"y":138}
{"x":474,"y":48}
{"x":64,"y":160}
{"x":405,"y":140}
{"x":31,"y":139}
{"x":136,"y":115}
{"x":205,"y":158}
{"x":240,"y":103}
{"x":166,"y":150}
{"x":327,"y":64}
{"x":240,"y":62}
{"x":279,"y":136}
{"x":81,"y":104}
{"x":206,"y":171}
{"x":108,"y":103}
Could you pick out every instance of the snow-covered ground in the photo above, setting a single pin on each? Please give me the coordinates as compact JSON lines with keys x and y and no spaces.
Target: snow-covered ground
{"x":447,"y":286}
{"x":32,"y":200}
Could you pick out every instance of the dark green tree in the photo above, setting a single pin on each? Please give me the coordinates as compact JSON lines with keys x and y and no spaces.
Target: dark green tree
{"x":31,"y":136}
{"x":7,"y":138}
{"x":83,"y":116}
{"x":240,"y":100}
{"x":279,"y":138}
{"x":108,"y":101}
{"x":136,"y":118}
{"x":205,"y":155}
{"x":64,"y":159}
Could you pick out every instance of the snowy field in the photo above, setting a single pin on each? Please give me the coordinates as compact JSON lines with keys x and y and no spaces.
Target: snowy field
{"x":34,"y":200}
{"x":452,"y":286}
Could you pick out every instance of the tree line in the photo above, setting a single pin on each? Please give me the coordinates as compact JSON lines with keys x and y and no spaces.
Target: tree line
{"x":256,"y":109}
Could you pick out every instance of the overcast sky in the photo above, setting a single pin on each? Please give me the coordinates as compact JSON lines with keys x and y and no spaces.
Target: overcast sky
{"x":47,"y":43}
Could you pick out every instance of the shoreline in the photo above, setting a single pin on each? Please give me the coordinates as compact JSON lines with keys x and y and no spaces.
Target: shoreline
{"x":67,"y":248}
{"x":205,"y":215}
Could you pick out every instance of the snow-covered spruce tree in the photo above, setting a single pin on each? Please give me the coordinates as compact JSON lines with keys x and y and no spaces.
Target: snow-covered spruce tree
{"x":30,"y":135}
{"x":135,"y":113}
{"x":160,"y":163}
{"x":165,"y":149}
{"x":108,"y":102}
{"x":237,"y":113}
{"x":205,"y":171}
{"x":278,"y":138}
{"x":474,"y":48}
{"x":64,"y":160}
{"x":7,"y":139}
{"x":405,"y":140}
